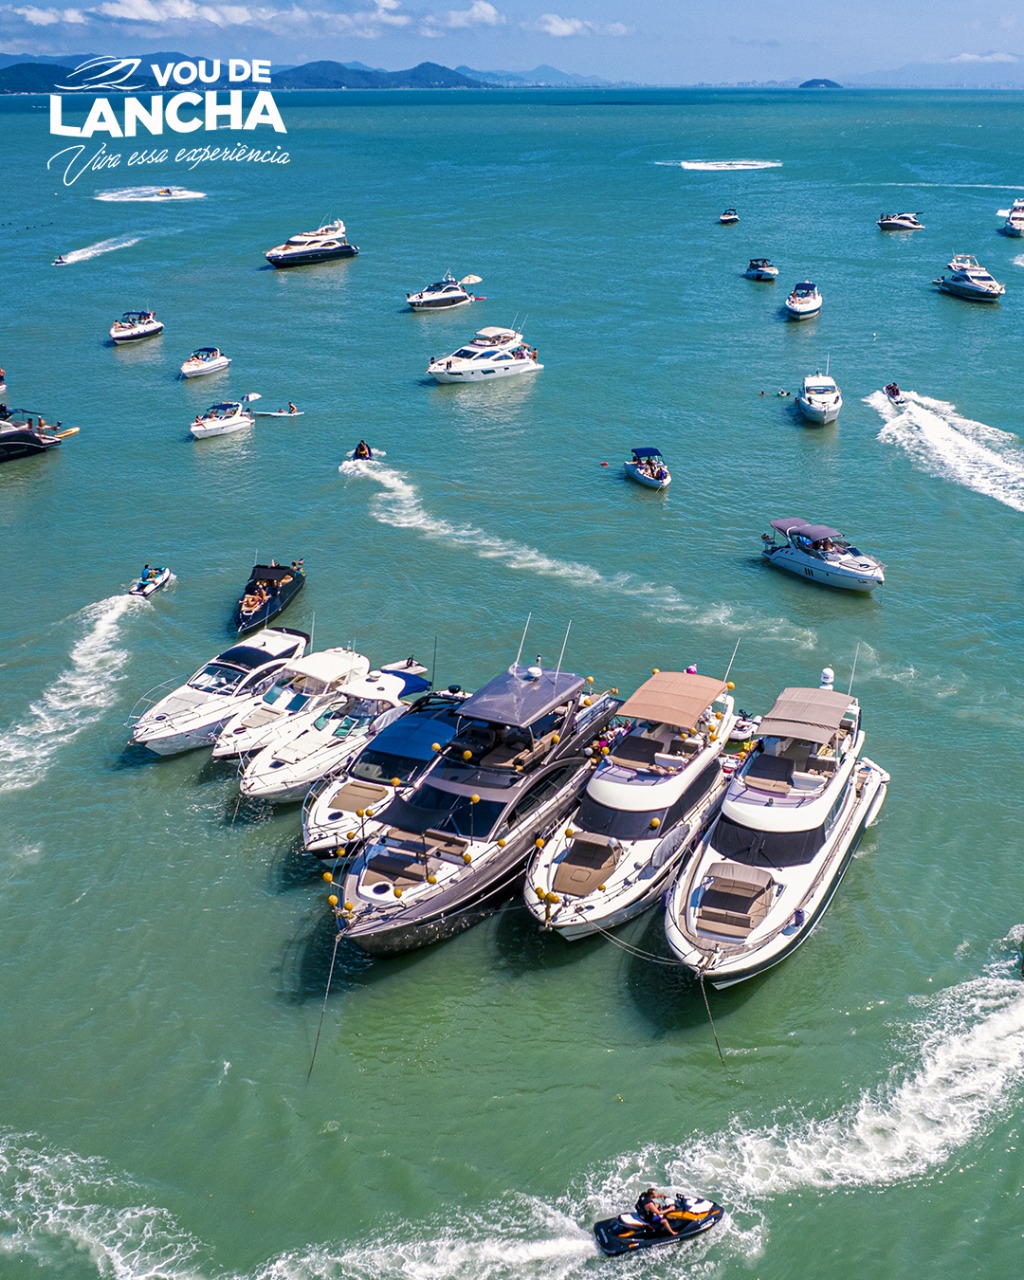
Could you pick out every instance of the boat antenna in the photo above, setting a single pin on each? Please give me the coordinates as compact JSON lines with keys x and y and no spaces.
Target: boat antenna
{"x":433,"y":664}
{"x":732,"y":659}
{"x":562,"y":654}
{"x":828,"y":359}
{"x":856,"y":655}
{"x":521,"y":643}
{"x":312,"y":632}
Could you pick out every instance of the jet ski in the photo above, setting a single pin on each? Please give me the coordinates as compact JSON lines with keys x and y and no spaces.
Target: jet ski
{"x":689,"y":1216}
{"x":895,"y":395}
{"x":150,"y":580}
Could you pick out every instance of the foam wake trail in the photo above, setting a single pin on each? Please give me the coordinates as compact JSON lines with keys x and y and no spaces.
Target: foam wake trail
{"x":56,"y":1206}
{"x":945,"y":444}
{"x":146,"y":195}
{"x":400,"y":507}
{"x":101,"y":246}
{"x":75,"y":700}
{"x":721,"y":166}
{"x":970,"y":1064}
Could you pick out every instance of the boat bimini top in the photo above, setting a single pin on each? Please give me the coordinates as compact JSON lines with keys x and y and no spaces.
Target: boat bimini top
{"x":809,"y":715}
{"x":796,"y":526}
{"x":674,"y":698}
{"x":521,"y":696}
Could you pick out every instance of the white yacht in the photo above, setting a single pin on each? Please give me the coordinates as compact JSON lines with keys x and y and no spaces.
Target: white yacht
{"x":643,"y":810}
{"x":223,"y":418}
{"x":443,"y":294}
{"x":804,"y":301}
{"x":306,"y":247}
{"x":194,"y":714}
{"x":458,"y":843}
{"x":900,"y":222}
{"x":969,"y":279}
{"x":1014,"y":224}
{"x":820,"y":554}
{"x":761,"y":269}
{"x":204,"y":360}
{"x":318,"y":742}
{"x":790,"y":821}
{"x":341,"y":809}
{"x":493,"y":353}
{"x":304,"y":685}
{"x":820,"y":399}
{"x":134,"y":325}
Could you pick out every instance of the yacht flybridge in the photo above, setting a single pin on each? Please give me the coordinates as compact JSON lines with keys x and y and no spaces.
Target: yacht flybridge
{"x":307,"y":247}
{"x":493,"y":353}
{"x":643,"y":810}
{"x":820,"y":554}
{"x":456,"y":845}
{"x":790,"y":821}
{"x":443,"y":294}
{"x":303,"y":685}
{"x":235,"y":680}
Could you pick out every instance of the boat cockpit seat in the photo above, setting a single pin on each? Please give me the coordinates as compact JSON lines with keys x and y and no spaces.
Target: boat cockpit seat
{"x":358,"y":795}
{"x":585,"y":864}
{"x":821,"y":764}
{"x":770,"y":773}
{"x":398,"y":870}
{"x":736,"y":900}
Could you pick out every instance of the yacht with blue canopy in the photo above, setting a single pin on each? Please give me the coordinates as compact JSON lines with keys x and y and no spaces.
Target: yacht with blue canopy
{"x":821,"y":554}
{"x":456,"y":845}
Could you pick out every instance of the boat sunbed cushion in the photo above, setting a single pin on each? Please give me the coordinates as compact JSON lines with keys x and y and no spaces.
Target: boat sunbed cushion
{"x":736,"y":901}
{"x":397,"y":870}
{"x":634,"y":750}
{"x":358,"y":795}
{"x":584,"y":866}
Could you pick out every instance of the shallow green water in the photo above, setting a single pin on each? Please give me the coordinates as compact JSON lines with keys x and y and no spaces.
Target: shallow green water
{"x":475,"y":1106}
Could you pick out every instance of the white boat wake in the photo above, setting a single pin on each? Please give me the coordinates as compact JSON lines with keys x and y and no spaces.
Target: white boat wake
{"x":76,"y":699}
{"x":1019,"y":260}
{"x":945,"y":444}
{"x":400,"y":507}
{"x":101,"y":246}
{"x":721,"y":166}
{"x":147,"y":195}
{"x":963,"y":1079}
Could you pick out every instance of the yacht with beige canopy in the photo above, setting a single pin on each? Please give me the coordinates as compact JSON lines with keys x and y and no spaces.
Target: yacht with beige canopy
{"x":790,"y":821}
{"x":643,"y":810}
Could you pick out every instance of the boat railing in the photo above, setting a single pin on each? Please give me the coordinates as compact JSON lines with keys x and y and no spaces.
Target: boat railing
{"x":149,"y":700}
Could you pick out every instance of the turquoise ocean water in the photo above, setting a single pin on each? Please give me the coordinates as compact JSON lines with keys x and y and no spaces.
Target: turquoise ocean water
{"x":475,"y":1106}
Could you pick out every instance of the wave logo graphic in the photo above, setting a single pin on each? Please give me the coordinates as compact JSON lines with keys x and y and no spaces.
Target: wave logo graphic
{"x":102,"y":73}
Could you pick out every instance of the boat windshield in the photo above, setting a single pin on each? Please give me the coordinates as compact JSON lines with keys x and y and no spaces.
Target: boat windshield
{"x":765,"y":848}
{"x":217,"y":678}
{"x":383,"y":766}
{"x":446,"y":811}
{"x":293,"y":703}
{"x":601,"y":820}
{"x":345,"y":716}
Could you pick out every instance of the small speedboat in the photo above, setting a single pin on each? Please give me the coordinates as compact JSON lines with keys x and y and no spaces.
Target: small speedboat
{"x":969,"y":279}
{"x":193,"y":714}
{"x":134,"y":325}
{"x":60,"y":261}
{"x":894,"y":394}
{"x":223,"y":418}
{"x":443,"y":294}
{"x":204,"y":360}
{"x":804,"y":301}
{"x":820,"y":399}
{"x":647,"y":467}
{"x":269,"y":591}
{"x":308,"y":247}
{"x":899,"y":222}
{"x":728,"y":216}
{"x":820,"y":554}
{"x":320,"y":742}
{"x":493,"y":353}
{"x":150,"y":580}
{"x":761,"y":269}
{"x":304,"y":685}
{"x":687,"y":1215}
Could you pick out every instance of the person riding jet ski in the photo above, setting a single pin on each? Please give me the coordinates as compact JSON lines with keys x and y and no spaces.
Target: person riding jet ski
{"x":648,"y":1207}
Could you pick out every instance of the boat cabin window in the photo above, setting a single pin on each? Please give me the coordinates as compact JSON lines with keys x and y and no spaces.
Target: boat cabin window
{"x":464,"y":353}
{"x":382,"y":766}
{"x":541,"y":790}
{"x":447,"y":811}
{"x":765,"y":848}
{"x":216,"y":678}
{"x":617,"y":824}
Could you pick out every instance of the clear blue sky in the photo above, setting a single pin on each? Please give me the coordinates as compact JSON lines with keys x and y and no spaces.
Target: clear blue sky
{"x":652,"y":41}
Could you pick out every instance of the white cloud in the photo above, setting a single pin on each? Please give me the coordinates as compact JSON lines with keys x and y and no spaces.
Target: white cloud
{"x":39,"y":17}
{"x":368,"y":22}
{"x":479,"y":14}
{"x":551,"y":24}
{"x":985,"y":57}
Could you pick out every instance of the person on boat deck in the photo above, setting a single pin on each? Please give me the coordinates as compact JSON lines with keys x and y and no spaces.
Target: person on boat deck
{"x":648,"y":1207}
{"x":292,"y":408}
{"x":148,"y":574}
